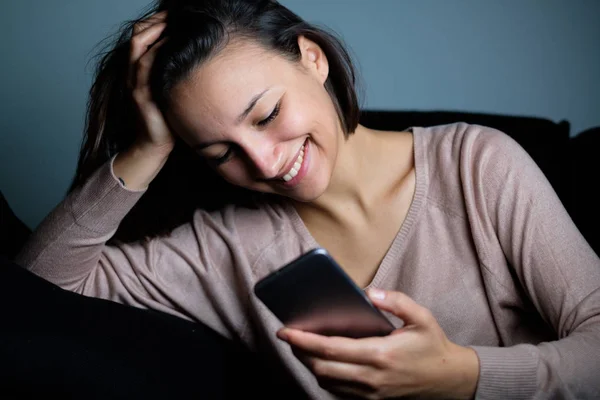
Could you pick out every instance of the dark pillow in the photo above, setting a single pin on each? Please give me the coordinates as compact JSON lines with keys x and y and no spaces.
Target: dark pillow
{"x":584,"y":185}
{"x":59,"y":344}
{"x":13,"y":232}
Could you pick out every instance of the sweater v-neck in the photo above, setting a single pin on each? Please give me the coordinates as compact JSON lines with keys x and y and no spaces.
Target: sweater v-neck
{"x":390,"y":260}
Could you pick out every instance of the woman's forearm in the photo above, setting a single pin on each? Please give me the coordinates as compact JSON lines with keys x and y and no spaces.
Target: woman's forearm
{"x":139,"y":165}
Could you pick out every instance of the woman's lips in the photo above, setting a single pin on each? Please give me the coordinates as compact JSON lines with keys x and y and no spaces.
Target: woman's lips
{"x":301,"y":172}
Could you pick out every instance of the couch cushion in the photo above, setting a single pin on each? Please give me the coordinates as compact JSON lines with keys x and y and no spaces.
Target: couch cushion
{"x":59,"y":344}
{"x":584,"y":184}
{"x":13,"y":232}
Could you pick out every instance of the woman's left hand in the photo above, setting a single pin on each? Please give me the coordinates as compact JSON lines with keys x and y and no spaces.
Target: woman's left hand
{"x":417,"y":359}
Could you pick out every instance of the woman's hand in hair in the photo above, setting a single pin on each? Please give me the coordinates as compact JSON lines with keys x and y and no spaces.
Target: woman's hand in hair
{"x":140,"y":164}
{"x":153,"y":134}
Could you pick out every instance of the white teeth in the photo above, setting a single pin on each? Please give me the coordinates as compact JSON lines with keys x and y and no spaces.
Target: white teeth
{"x":294,"y":171}
{"x":290,"y":175}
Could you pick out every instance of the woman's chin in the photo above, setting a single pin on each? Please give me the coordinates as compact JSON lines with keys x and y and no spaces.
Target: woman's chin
{"x":303,"y":198}
{"x":307,"y":190}
{"x":307,"y":193}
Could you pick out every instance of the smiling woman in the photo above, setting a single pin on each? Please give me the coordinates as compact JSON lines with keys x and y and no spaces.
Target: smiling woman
{"x":255,"y":140}
{"x":236,"y":123}
{"x":236,"y":34}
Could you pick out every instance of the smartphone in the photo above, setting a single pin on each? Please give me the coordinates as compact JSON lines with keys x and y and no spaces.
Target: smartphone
{"x":314,"y":294}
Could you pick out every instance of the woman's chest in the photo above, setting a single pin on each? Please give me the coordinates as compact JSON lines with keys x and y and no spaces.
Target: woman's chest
{"x":363,"y":240}
{"x":360,"y":252}
{"x":439,"y":267}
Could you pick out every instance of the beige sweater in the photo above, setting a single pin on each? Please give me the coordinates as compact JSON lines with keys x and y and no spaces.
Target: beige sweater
{"x":486,"y":246}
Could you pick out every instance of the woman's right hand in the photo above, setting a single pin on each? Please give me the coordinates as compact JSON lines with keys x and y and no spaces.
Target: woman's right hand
{"x":153,"y":131}
{"x":139,"y":165}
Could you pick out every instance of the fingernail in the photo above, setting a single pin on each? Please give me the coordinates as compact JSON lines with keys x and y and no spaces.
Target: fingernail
{"x":377,"y":294}
{"x":281,"y":334}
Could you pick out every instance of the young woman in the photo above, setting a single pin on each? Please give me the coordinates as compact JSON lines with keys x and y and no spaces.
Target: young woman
{"x":451,"y":229}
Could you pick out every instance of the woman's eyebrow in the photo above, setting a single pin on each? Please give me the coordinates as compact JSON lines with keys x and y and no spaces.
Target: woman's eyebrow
{"x":242,"y":116}
{"x":251,"y":105}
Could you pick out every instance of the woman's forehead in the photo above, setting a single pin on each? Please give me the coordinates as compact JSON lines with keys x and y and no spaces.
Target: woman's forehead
{"x":220,"y":89}
{"x":236,"y":73}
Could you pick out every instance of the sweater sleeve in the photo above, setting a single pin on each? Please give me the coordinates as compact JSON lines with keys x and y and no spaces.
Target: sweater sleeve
{"x":186,"y":273}
{"x":553,"y":264}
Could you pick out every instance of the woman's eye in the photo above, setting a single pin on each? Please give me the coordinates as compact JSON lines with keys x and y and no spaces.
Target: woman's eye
{"x":271,"y":117}
{"x":222,"y":159}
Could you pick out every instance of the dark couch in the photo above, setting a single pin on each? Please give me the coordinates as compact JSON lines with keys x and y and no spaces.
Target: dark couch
{"x":55,"y":342}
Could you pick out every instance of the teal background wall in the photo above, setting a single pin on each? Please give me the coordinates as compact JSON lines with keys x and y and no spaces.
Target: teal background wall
{"x":532,"y":57}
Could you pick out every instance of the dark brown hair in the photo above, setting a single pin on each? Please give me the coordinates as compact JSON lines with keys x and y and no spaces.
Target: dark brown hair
{"x":196,"y":30}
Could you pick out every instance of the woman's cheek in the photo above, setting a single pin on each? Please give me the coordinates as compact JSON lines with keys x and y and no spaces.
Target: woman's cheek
{"x":295,"y":123}
{"x":235,"y":172}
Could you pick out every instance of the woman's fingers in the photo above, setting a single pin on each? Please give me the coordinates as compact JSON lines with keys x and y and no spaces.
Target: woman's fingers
{"x":141,"y":26}
{"x":357,"y":351}
{"x":140,"y":45}
{"x":144,"y":66}
{"x":141,"y":42}
{"x":402,"y":306}
{"x":152,"y":129}
{"x":145,"y":34}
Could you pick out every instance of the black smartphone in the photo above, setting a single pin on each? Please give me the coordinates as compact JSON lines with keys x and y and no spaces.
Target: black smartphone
{"x":314,"y":294}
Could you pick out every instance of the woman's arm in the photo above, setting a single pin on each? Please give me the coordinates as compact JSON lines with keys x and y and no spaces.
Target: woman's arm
{"x":140,"y":164}
{"x":69,"y":243}
{"x":182,"y":274}
{"x":69,"y":247}
{"x":555,"y":266}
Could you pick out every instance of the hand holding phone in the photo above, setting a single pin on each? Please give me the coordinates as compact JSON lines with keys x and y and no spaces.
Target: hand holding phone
{"x":314,"y":294}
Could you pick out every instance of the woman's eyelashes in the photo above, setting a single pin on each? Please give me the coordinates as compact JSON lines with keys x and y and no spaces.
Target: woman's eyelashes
{"x":271,"y":117}
{"x":230,"y":151}
{"x":224,"y":158}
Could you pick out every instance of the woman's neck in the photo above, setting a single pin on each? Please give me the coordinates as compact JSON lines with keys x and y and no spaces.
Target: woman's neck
{"x":359,"y":179}
{"x":353,"y":167}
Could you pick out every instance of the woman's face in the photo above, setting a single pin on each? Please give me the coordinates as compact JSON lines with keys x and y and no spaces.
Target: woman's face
{"x":263,"y":122}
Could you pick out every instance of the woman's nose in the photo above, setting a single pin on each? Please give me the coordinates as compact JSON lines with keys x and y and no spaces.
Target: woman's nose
{"x":265,"y":157}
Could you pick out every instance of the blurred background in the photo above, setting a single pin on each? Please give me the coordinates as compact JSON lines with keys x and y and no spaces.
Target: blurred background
{"x":532,"y":58}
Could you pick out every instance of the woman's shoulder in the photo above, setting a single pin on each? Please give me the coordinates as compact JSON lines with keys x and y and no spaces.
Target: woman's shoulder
{"x":464,"y":146}
{"x":460,"y":158}
{"x":461,"y":136}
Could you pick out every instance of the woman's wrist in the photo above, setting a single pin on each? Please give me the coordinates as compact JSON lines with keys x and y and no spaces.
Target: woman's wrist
{"x":153,"y":150}
{"x":463,"y":372}
{"x":138,"y":166}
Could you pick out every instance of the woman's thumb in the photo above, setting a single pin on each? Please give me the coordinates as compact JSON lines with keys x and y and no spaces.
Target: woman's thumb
{"x":401,"y":306}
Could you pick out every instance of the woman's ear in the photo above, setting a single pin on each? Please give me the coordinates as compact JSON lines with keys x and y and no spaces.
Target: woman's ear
{"x":313,"y":58}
